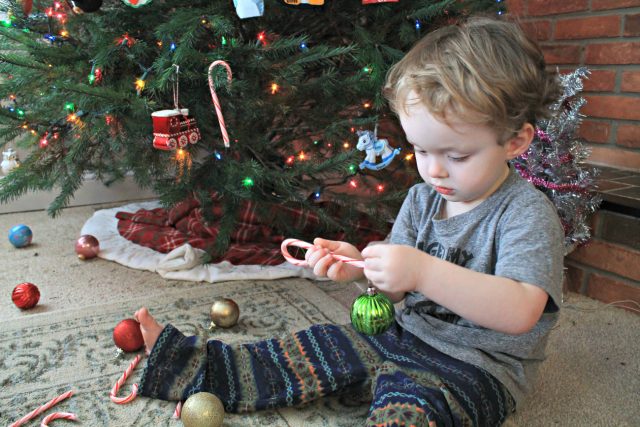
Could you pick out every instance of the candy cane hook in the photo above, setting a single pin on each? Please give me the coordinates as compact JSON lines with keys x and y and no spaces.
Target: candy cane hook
{"x":31,"y":415}
{"x":304,"y":245}
{"x":216,"y":102}
{"x":56,"y":416}
{"x":121,"y":380}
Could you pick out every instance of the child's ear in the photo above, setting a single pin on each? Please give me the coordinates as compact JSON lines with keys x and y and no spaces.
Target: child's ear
{"x":519,"y":143}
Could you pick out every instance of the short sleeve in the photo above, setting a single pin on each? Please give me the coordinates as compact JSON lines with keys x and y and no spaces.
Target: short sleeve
{"x":405,"y":229}
{"x":530,"y":247}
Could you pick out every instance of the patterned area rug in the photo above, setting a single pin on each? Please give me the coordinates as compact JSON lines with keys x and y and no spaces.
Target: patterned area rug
{"x":46,"y":354}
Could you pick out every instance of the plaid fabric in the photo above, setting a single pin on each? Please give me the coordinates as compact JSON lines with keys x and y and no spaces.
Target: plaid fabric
{"x":408,"y":382}
{"x":253,"y":240}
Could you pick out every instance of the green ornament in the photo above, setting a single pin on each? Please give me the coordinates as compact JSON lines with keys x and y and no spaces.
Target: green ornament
{"x":372,"y":313}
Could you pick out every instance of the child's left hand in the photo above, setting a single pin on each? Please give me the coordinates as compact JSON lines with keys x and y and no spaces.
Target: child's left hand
{"x":394,"y":268}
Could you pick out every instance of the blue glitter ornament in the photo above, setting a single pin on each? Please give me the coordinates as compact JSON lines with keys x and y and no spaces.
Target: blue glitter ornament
{"x":20,"y":236}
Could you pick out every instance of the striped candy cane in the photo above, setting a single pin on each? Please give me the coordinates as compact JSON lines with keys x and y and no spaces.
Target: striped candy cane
{"x":178,"y":411}
{"x":216,"y":102}
{"x":31,"y":415}
{"x":123,"y":378}
{"x":305,"y":245}
{"x":57,"y":416}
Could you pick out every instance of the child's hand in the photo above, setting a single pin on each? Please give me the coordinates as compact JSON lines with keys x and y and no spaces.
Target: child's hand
{"x":394,"y":268}
{"x":324,"y":264}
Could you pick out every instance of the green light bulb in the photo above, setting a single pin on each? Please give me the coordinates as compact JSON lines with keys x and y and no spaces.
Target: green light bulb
{"x":247,"y":182}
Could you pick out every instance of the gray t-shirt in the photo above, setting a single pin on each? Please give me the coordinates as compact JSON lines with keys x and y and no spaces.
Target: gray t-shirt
{"x":514,"y":233}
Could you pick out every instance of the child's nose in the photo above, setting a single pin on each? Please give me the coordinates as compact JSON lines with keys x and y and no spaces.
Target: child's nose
{"x":436,"y":169}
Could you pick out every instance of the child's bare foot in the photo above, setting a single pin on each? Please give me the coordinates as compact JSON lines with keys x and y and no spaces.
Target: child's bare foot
{"x":150,"y":328}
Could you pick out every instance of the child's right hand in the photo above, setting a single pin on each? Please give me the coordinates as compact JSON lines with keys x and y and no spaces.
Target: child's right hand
{"x":324,"y":264}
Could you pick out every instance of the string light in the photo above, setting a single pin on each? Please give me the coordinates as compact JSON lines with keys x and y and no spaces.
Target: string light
{"x":223,"y":41}
{"x":290,"y":160}
{"x":140,"y":85}
{"x":72,"y":118}
{"x":316,"y":194}
{"x":346,"y":145}
{"x":366,"y":105}
{"x":108,"y":119}
{"x":43,"y":142}
{"x":247,"y":182}
{"x":303,"y":46}
{"x":380,"y":188}
{"x":20,"y":112}
{"x":408,"y":156}
{"x":302,"y":156}
{"x":69,"y":106}
{"x":172,"y":47}
{"x":353,"y":183}
{"x":274,"y":88}
{"x":262,"y":38}
{"x":316,"y":142}
{"x":352,"y":168}
{"x":417,"y":24}
{"x":217,"y":155}
{"x":64,"y":33}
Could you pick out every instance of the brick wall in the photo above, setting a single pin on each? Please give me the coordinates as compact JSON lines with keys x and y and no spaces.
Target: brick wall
{"x":607,"y":268}
{"x":604,"y":35}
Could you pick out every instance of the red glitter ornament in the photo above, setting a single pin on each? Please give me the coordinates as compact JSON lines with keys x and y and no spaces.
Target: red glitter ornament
{"x":127,"y":335}
{"x":25,"y":295}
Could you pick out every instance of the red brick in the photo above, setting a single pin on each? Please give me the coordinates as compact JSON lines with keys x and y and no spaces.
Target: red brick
{"x":613,"y":53}
{"x":594,"y":131}
{"x":573,"y":278}
{"x":517,"y":7}
{"x":612,"y":107}
{"x":605,"y":256}
{"x":600,"y":81}
{"x":610,"y":290}
{"x":537,"y":30}
{"x":613,"y":4}
{"x":630,"y":81}
{"x":632,"y":25}
{"x":616,"y":157}
{"x":628,"y":136}
{"x":547,"y":7}
{"x":585,"y":28}
{"x":562,"y":54}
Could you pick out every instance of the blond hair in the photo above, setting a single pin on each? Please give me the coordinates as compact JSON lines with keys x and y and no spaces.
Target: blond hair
{"x":482,"y":70}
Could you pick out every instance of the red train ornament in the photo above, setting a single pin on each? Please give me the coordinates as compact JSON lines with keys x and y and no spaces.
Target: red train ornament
{"x":174,"y":129}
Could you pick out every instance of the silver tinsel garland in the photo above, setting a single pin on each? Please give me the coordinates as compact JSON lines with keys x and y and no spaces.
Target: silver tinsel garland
{"x":554,"y":162}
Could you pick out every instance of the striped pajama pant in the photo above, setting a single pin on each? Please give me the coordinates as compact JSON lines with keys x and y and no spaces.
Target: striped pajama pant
{"x":409,"y":382}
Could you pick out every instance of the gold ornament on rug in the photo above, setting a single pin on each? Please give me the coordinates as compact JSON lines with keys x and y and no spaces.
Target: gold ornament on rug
{"x":224,"y":313}
{"x":202,"y":410}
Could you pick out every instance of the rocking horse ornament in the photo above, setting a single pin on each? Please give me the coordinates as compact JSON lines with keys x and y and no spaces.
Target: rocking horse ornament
{"x":373,"y":147}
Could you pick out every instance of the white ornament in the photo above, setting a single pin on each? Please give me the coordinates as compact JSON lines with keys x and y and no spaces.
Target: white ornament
{"x":9,"y":161}
{"x":249,"y":8}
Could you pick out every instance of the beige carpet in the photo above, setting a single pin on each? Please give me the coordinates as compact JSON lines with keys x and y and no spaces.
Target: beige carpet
{"x":590,"y":378}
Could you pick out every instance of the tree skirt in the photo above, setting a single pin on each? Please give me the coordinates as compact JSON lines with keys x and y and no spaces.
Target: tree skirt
{"x":182,"y":263}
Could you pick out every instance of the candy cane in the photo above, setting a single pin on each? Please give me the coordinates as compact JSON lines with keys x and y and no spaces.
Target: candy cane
{"x":305,"y":245}
{"x":31,"y":415}
{"x":176,"y":413}
{"x":118,"y":384}
{"x":216,"y":103}
{"x":56,"y":416}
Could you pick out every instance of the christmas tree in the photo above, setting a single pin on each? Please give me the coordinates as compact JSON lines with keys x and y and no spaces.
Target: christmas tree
{"x":554,"y":162}
{"x":79,"y":91}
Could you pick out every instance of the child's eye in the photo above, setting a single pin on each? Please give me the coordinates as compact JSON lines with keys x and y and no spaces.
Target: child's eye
{"x":458,"y":159}
{"x":421,"y":152}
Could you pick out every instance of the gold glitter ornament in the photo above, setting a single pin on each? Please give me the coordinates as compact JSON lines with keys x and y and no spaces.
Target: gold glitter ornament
{"x":202,"y":410}
{"x":224,"y":313}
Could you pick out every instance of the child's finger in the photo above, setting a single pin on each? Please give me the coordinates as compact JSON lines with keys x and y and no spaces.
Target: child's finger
{"x":331,"y":245}
{"x":373,"y":251}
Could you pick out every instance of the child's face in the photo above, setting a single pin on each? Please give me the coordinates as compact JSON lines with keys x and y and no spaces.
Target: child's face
{"x":463,"y":162}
